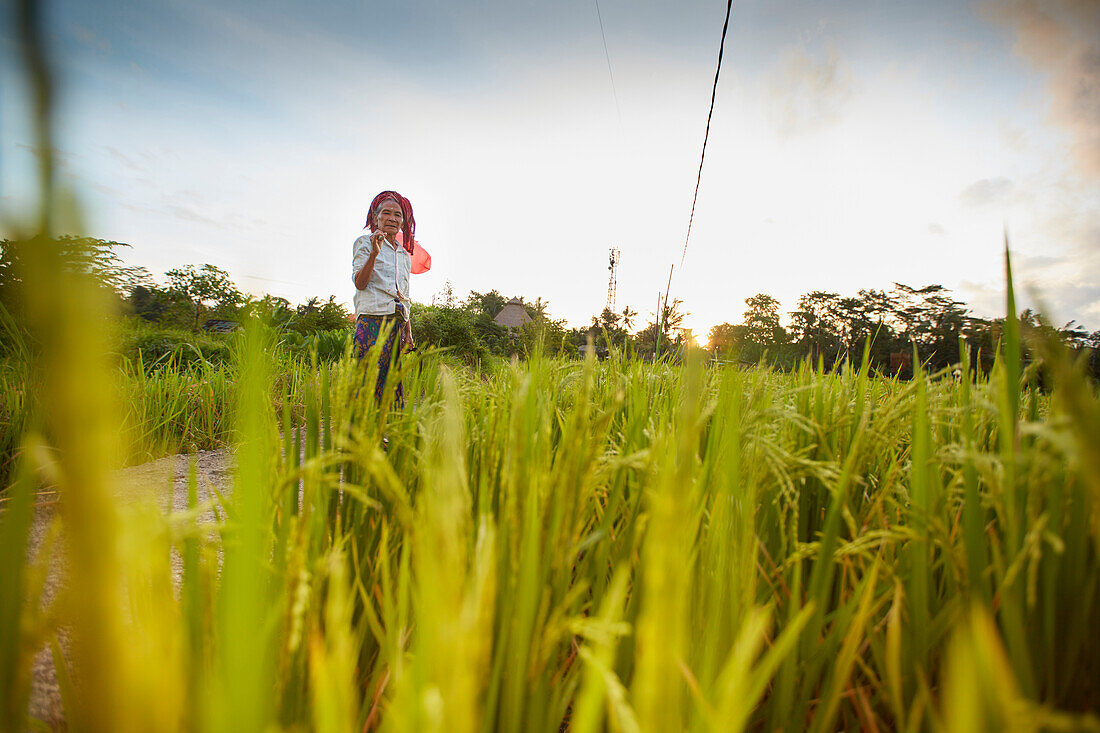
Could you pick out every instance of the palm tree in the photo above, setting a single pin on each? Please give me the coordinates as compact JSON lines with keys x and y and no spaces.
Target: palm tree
{"x":628,"y":317}
{"x":672,"y":317}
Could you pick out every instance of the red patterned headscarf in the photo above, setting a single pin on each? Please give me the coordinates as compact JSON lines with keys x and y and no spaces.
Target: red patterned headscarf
{"x":408,"y":225}
{"x":421,"y":260}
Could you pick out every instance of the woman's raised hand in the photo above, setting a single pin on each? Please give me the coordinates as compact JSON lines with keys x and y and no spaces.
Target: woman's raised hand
{"x":376,"y":242}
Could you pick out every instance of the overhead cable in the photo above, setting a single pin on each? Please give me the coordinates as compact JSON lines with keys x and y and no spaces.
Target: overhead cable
{"x":607,"y":56}
{"x":706,"y":135}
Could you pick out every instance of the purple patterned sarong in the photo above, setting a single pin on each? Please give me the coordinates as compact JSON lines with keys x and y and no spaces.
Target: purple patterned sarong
{"x":367,"y":329}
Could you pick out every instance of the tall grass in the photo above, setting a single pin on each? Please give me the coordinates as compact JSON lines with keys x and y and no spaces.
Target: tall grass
{"x":164,"y":409}
{"x":615,"y":546}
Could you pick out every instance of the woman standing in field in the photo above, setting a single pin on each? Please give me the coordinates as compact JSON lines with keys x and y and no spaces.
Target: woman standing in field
{"x":380,"y":268}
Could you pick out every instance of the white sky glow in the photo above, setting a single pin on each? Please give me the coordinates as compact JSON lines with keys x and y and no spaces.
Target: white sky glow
{"x":854,"y":145}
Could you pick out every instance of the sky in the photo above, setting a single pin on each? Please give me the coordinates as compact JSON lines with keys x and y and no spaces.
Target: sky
{"x":854,"y":144}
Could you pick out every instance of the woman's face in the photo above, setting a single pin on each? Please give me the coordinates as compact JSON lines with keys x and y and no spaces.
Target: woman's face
{"x":390,"y":218}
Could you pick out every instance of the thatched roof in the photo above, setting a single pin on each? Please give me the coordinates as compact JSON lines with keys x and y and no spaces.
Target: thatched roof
{"x":513,"y":315}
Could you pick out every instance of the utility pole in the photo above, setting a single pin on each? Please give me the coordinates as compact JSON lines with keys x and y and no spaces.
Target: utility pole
{"x":660,"y":313}
{"x":657,"y":333}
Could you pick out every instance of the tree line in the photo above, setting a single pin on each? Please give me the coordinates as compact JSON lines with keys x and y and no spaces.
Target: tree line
{"x":892,"y":325}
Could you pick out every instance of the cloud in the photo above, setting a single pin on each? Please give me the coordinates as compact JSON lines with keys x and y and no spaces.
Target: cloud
{"x":1056,"y":268}
{"x":985,"y":299}
{"x":187,"y":213}
{"x":1058,"y":300}
{"x":1064,"y":280}
{"x":1078,"y":302}
{"x":1061,"y":38}
{"x":1036,"y":263}
{"x":807,"y":93}
{"x":1014,"y":137}
{"x":986,"y":191}
{"x":127,"y":161}
{"x":63,"y":160}
{"x":106,"y":190}
{"x":91,"y":39}
{"x":1061,"y":272}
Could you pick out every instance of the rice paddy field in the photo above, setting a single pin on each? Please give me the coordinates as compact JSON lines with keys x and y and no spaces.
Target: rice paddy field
{"x":550,"y":545}
{"x":540,"y":545}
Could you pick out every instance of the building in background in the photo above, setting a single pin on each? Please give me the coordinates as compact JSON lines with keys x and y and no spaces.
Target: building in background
{"x":512,"y":315}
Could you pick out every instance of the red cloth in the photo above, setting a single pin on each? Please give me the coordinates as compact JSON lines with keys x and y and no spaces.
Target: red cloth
{"x":421,"y":260}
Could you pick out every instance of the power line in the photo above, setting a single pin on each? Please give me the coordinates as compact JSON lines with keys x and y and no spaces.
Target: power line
{"x":699,"y":175}
{"x":706,"y":135}
{"x":610,"y":73}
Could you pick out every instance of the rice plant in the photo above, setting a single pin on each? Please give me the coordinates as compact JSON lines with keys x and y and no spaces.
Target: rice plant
{"x":615,"y":545}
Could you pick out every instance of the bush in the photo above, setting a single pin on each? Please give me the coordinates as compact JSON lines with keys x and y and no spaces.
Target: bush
{"x":454,"y":328}
{"x":16,"y":404}
{"x":472,"y":335}
{"x":154,"y":345}
{"x":329,"y":345}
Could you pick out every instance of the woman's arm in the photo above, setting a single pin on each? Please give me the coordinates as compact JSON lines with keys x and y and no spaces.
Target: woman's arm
{"x":363,"y":276}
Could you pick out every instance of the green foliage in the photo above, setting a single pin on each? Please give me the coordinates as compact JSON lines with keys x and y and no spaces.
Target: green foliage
{"x":666,"y":334}
{"x":547,"y":336}
{"x":315,"y":316}
{"x":470,"y":333}
{"x":156,"y":305}
{"x":725,"y":338}
{"x":173,"y":408}
{"x":607,"y":331}
{"x":154,"y":346}
{"x":649,"y":537}
{"x":274,"y":312}
{"x":18,"y":407}
{"x":762,"y":321}
{"x":659,"y":546}
{"x":488,"y":304}
{"x":815,"y":326}
{"x":204,"y":285}
{"x":95,"y":259}
{"x":326,"y":346}
{"x":837,"y":329}
{"x":458,"y":329}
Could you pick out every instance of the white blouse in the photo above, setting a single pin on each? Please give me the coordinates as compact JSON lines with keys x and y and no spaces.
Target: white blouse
{"x":388,"y":282}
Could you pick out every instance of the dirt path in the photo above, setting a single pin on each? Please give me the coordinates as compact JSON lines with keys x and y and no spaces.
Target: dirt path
{"x":167,"y":480}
